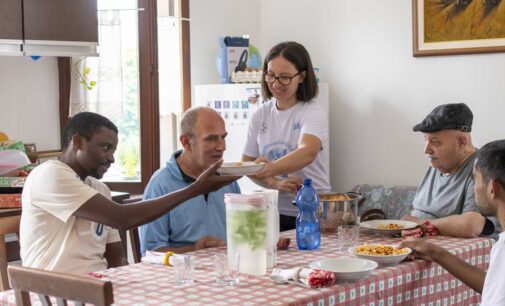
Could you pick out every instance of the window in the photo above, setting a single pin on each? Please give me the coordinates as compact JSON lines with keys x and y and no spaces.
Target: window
{"x":123,"y":83}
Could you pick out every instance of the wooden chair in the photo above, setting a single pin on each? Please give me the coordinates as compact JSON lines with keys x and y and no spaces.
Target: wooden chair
{"x":8,"y":225}
{"x":133,"y":233}
{"x":62,"y":286}
{"x":135,"y":244}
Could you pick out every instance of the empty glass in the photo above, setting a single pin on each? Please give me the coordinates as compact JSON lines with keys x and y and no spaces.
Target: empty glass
{"x":348,"y":236}
{"x":184,"y":268}
{"x":227,"y":268}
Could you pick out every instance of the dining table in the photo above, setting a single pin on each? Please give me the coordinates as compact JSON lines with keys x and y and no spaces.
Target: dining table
{"x":411,"y":282}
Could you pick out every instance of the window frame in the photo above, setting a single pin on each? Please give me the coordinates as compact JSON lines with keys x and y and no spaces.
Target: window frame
{"x":148,"y":89}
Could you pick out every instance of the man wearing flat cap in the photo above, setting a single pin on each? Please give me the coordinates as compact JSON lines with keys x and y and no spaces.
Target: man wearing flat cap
{"x":445,"y":200}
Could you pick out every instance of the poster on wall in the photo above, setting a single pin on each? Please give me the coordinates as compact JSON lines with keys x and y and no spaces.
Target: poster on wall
{"x":446,"y":27}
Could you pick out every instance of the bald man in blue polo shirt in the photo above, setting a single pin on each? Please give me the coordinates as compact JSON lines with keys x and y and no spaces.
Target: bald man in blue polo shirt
{"x":201,"y":221}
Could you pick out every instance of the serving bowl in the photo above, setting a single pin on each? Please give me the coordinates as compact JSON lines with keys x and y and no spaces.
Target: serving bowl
{"x":382,"y":260}
{"x":337,"y":208}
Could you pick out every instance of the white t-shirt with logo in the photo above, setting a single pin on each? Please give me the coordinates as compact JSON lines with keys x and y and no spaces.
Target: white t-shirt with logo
{"x":274,"y":133}
{"x":51,"y":238}
{"x":493,"y":292}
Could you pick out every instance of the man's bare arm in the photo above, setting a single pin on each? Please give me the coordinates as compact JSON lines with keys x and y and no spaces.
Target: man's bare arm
{"x":123,"y":217}
{"x":467,"y":225}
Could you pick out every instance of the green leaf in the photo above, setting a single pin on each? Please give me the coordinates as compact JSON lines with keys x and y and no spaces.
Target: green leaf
{"x":92,"y":83}
{"x":248,"y":227}
{"x":83,"y":82}
{"x":89,"y":87}
{"x":86,"y":71}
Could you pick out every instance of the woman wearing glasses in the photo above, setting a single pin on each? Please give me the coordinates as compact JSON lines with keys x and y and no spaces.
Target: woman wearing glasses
{"x":290,"y":130}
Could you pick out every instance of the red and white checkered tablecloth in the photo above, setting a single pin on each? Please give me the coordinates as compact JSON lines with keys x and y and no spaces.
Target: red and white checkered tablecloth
{"x":409,"y":283}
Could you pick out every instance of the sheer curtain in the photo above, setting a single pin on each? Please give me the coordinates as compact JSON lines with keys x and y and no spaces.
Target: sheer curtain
{"x":96,"y":84}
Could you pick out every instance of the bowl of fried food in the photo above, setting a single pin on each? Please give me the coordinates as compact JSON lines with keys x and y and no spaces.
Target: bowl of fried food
{"x":383,"y":254}
{"x":388,"y":227}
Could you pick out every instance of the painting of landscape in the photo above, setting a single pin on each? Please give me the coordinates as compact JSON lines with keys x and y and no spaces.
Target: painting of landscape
{"x":449,"y":20}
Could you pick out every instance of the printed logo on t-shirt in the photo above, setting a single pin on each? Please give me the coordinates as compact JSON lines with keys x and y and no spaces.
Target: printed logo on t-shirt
{"x":297,"y":125}
{"x":276,"y":150}
{"x":98,"y":231}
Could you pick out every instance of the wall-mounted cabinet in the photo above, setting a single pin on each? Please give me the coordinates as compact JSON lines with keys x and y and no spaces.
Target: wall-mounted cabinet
{"x":11,"y":27}
{"x":50,"y":27}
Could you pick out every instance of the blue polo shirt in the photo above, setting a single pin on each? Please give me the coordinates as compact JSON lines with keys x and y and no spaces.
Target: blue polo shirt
{"x":197,"y":217}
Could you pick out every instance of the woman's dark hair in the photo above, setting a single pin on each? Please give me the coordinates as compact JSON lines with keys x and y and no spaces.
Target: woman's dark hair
{"x":297,"y":55}
{"x":491,"y":161}
{"x":84,"y":124}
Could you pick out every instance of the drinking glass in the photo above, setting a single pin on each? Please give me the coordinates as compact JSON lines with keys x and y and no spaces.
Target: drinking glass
{"x":348,"y":236}
{"x":184,"y":268}
{"x":227,"y":268}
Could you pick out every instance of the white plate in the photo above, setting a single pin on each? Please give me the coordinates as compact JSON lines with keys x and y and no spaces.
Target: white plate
{"x":239,"y":168}
{"x":374,"y":226}
{"x":382,"y":260}
{"x":346,"y":269}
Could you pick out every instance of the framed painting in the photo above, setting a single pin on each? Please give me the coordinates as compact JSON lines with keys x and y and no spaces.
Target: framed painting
{"x":446,"y":27}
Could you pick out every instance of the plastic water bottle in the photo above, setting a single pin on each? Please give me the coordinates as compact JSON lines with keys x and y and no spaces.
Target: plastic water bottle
{"x":308,"y":233}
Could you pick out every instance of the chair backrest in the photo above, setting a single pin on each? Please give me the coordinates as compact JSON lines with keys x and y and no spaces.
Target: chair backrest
{"x":135,"y":244}
{"x":64,"y":287}
{"x":394,"y":200}
{"x":133,"y":233}
{"x":8,"y":225}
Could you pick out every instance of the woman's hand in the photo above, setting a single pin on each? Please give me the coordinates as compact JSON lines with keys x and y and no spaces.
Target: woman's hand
{"x":266,"y":170}
{"x":290,"y":184}
{"x":266,"y":162}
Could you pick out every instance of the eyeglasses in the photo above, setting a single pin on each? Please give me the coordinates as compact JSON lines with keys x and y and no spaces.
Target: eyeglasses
{"x":283,"y":79}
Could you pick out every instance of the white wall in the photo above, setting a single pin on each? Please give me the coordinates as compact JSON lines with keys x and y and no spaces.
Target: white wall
{"x":378,"y":91}
{"x":211,"y":19}
{"x":29,"y":100}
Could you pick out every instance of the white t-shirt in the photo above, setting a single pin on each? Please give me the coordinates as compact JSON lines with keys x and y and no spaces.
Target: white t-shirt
{"x":51,"y":238}
{"x":274,"y":133}
{"x":493,"y":292}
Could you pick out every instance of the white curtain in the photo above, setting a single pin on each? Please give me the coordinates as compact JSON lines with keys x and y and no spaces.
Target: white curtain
{"x":97,"y":81}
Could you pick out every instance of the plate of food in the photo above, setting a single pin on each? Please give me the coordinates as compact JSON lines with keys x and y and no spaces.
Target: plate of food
{"x":239,"y":168}
{"x":346,"y":269}
{"x":388,"y":227}
{"x":383,"y":254}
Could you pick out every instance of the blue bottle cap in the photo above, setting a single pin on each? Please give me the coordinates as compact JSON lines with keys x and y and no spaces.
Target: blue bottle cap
{"x":307,"y":181}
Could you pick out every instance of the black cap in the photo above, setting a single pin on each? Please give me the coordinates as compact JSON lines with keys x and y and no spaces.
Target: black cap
{"x":447,"y":117}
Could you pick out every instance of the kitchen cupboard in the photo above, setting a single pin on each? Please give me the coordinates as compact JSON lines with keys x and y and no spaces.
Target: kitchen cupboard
{"x":52,"y":27}
{"x":11,"y":27}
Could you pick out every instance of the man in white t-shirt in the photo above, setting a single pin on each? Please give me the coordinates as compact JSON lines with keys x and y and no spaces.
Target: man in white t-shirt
{"x":489,"y":176}
{"x":69,"y":223}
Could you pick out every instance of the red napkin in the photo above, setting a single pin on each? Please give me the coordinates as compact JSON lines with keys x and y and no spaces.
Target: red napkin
{"x":425,"y":229}
{"x":283,"y":243}
{"x":321,"y":278}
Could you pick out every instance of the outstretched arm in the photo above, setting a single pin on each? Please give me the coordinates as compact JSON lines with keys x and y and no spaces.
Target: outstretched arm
{"x":104,"y":211}
{"x":308,"y":148}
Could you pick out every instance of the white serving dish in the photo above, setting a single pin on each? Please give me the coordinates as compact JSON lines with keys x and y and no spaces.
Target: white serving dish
{"x":382,"y":260}
{"x":374,"y":226}
{"x":346,"y":269}
{"x":240,"y":168}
